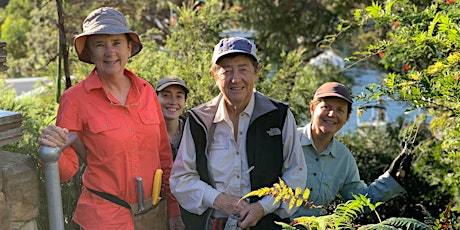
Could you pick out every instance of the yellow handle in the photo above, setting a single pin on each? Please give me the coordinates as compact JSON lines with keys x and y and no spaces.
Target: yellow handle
{"x":156,"y":187}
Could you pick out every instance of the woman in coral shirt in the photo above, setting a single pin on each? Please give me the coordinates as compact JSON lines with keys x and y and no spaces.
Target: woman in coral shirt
{"x":118,"y":129}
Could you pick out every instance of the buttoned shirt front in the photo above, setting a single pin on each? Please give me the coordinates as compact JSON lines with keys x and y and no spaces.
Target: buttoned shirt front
{"x":122,"y":141}
{"x":334,"y":171}
{"x":229,"y":157}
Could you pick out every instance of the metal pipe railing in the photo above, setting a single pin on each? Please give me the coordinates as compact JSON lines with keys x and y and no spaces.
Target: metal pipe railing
{"x":50,"y":157}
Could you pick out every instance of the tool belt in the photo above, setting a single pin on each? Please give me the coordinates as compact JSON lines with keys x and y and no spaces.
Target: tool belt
{"x":134,"y":207}
{"x":111,"y":198}
{"x":147,"y":205}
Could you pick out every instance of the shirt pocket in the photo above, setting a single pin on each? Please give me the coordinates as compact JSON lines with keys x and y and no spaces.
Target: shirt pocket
{"x":149,"y":117}
{"x":98,"y":125}
{"x":104,"y":138}
{"x":219,"y":162}
{"x":330,"y":187}
{"x":148,"y":129}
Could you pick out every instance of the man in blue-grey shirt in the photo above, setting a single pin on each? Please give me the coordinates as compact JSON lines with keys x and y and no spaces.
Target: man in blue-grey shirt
{"x":331,"y":167}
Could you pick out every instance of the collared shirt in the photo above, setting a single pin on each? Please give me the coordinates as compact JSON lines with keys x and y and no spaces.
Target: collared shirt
{"x":229,"y":157}
{"x":334,"y":171}
{"x":122,"y":141}
{"x":228,"y":166}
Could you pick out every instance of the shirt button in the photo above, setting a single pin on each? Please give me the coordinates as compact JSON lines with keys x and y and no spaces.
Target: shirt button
{"x":126,"y":111}
{"x":134,"y":150}
{"x":131,"y":129}
{"x":311,"y":189}
{"x":238,"y":176}
{"x":106,"y":126}
{"x":241,"y":133}
{"x":237,"y":153}
{"x":314,"y":174}
{"x":317,"y":159}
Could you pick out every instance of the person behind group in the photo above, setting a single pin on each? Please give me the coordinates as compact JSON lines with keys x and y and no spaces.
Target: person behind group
{"x":235,"y":143}
{"x":332,"y":169}
{"x":172,"y":93}
{"x":113,"y":121}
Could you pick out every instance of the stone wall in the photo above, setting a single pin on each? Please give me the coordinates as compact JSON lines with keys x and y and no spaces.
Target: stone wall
{"x":19,"y":193}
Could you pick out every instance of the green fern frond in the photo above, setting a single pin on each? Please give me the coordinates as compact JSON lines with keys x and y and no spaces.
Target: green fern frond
{"x":406,"y":223}
{"x":377,"y":227}
{"x":428,"y":218}
{"x":351,"y":209}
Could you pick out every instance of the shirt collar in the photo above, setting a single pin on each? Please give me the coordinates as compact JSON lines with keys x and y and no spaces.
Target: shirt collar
{"x":221,"y":113}
{"x":94,"y":82}
{"x":305,"y":139}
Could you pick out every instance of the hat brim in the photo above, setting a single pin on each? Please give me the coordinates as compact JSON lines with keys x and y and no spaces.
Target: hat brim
{"x":163,"y":86}
{"x":323,"y":95}
{"x":80,"y":42}
{"x":221,"y":55}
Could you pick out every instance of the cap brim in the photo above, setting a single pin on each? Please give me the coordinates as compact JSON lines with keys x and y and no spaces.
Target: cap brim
{"x":232,"y":52}
{"x":163,"y":86}
{"x":334,"y":95}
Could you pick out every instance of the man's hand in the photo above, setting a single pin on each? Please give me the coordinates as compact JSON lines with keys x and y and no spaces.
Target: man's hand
{"x":400,"y":167}
{"x":175,"y":223}
{"x":251,"y":214}
{"x":229,"y":204}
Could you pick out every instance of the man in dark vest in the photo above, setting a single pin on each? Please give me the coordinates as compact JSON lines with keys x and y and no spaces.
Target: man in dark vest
{"x":238,"y":142}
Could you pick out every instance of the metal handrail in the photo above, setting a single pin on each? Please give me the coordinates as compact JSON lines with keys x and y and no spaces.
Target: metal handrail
{"x":50,"y":157}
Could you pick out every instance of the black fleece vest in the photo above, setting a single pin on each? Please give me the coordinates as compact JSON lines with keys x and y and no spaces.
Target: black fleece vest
{"x":264,"y":147}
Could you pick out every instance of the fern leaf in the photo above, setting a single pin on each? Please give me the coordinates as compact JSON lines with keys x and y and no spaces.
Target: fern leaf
{"x":259,"y":192}
{"x":291,"y":203}
{"x":297,"y":192}
{"x":377,"y":227}
{"x":277,"y":199}
{"x":406,"y":223}
{"x":306,"y":194}
{"x":298,"y":203}
{"x":282,"y":184}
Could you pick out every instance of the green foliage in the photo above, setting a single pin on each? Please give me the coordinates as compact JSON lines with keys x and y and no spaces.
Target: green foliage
{"x":284,"y":26}
{"x":14,"y":34}
{"x":397,"y":223}
{"x":27,"y":27}
{"x":420,"y":52}
{"x":374,"y":149}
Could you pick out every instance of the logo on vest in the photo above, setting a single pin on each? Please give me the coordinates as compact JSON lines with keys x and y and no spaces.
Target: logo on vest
{"x":273,"y":131}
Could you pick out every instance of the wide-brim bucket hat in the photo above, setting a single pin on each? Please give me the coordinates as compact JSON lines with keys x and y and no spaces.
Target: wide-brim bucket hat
{"x":104,"y":20}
